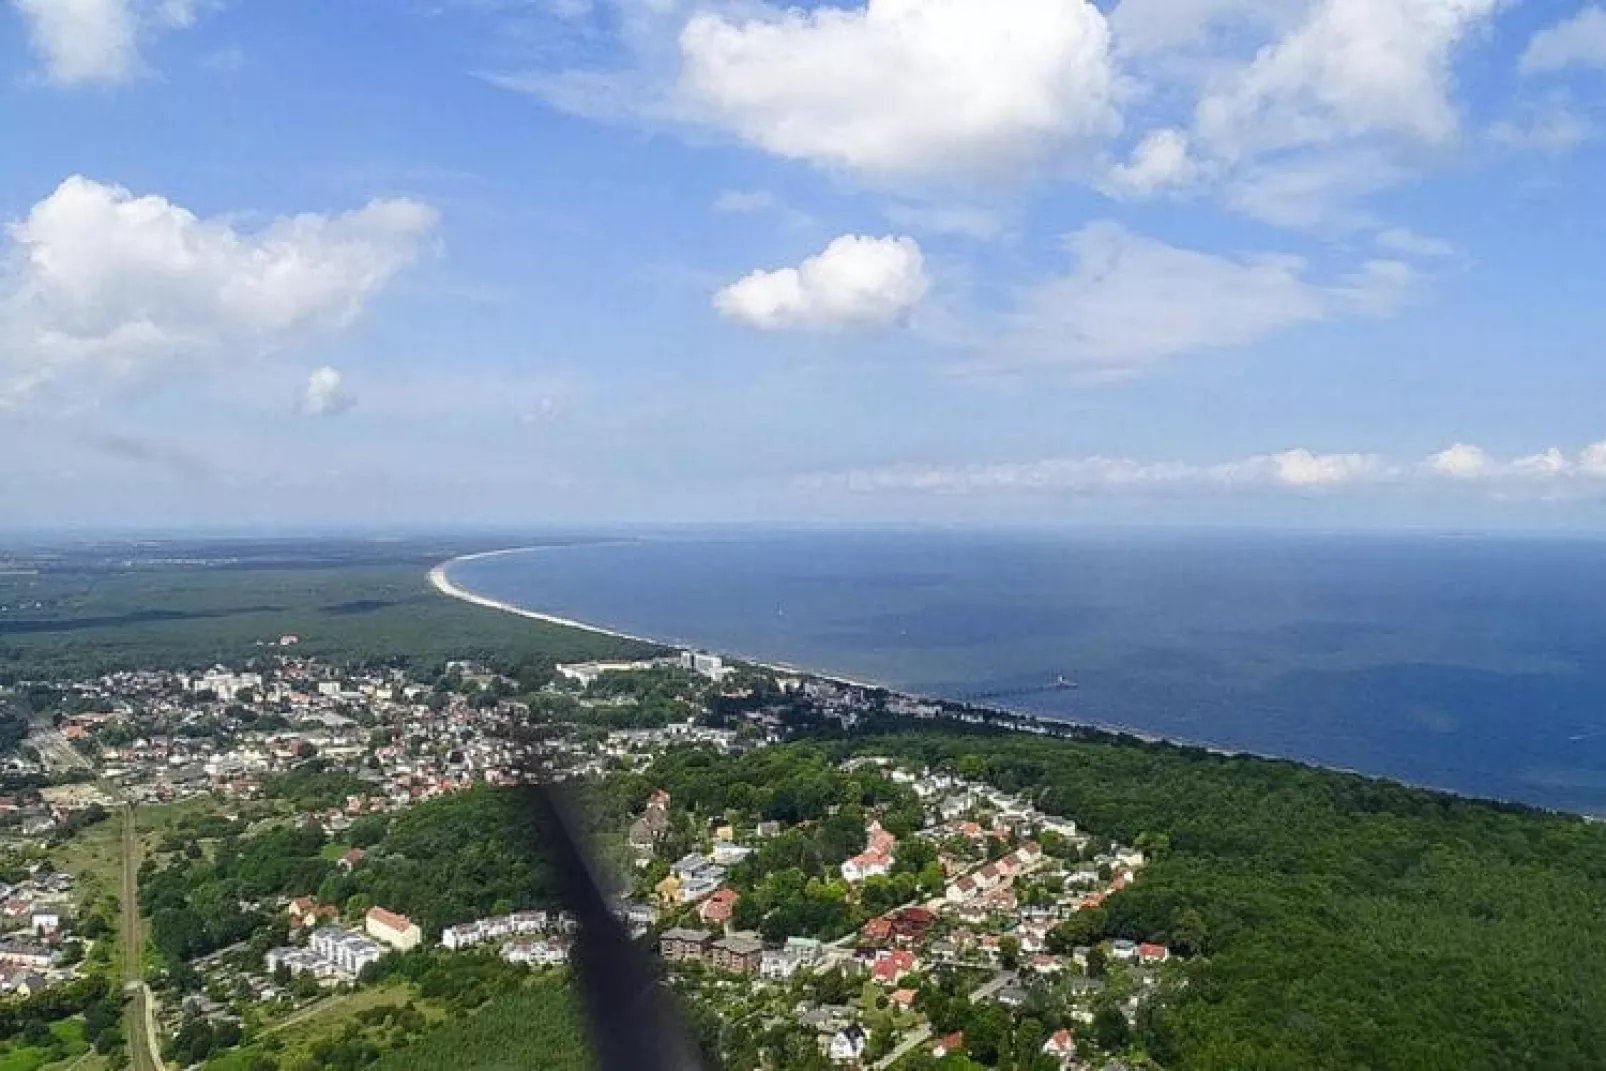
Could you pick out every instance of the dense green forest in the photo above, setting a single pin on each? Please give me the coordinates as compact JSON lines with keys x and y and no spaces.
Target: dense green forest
{"x":1340,"y":922}
{"x":448,"y":860}
{"x":91,"y":613}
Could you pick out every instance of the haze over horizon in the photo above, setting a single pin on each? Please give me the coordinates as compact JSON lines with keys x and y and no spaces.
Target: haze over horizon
{"x":1326,"y":263}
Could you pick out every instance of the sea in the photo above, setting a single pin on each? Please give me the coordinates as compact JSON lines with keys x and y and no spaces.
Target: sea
{"x":1471,"y":663}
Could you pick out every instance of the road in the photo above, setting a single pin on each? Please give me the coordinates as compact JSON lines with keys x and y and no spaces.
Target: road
{"x":140,"y":1019}
{"x":987,"y":989}
{"x":908,"y":1045}
{"x":923,"y":1034}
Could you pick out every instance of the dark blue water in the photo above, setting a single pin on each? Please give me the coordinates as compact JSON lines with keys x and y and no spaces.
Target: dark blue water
{"x":1473,"y":664}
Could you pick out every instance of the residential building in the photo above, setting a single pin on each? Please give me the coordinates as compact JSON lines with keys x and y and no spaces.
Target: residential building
{"x":683,"y":944}
{"x":718,"y":908}
{"x":397,"y":931}
{"x":846,"y":1046}
{"x":739,"y":954}
{"x":348,"y":952}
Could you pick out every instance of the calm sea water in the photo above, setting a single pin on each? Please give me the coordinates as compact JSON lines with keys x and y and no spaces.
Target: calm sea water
{"x":1473,"y":664}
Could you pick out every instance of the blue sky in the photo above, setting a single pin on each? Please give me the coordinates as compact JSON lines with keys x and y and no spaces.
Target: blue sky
{"x":1283,"y":262}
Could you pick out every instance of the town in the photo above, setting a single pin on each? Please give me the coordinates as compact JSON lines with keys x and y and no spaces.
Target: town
{"x":899,"y":915}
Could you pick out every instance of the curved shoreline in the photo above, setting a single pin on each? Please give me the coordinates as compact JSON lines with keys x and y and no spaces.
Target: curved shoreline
{"x":441,"y":581}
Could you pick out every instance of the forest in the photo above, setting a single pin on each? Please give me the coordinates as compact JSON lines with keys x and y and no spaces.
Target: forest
{"x":90,"y":611}
{"x":448,"y":860}
{"x":1336,"y":921}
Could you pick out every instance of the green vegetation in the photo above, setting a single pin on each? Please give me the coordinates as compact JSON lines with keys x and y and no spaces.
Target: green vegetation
{"x":42,"y":1045}
{"x":792,"y":884}
{"x":376,"y":1016}
{"x":450,"y":860}
{"x":1340,"y":922}
{"x":531,"y":1027}
{"x":100,"y":610}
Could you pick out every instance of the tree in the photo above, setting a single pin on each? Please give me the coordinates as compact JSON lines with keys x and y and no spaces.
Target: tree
{"x":1111,"y":1032}
{"x":1188,"y":934}
{"x":1009,"y":951}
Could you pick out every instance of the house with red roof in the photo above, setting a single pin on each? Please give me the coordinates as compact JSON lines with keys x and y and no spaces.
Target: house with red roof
{"x":890,"y":966}
{"x":718,"y":908}
{"x":1061,"y":1046}
{"x":878,"y":930}
{"x":1149,"y":952}
{"x":954,"y":1042}
{"x":911,"y":923}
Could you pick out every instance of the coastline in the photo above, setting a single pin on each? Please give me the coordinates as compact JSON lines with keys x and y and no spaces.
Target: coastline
{"x":441,"y":581}
{"x":1016,"y":720}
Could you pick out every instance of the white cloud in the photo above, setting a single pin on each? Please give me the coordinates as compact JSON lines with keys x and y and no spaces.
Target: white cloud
{"x":1549,"y":473}
{"x":1551,"y":468}
{"x":1579,"y":41}
{"x":856,"y":282}
{"x":1132,"y":300}
{"x":1354,"y":68}
{"x":325,"y":393}
{"x":903,"y":88}
{"x":1460,"y":461}
{"x":1159,"y":162}
{"x":103,"y":281}
{"x":89,"y":41}
{"x":1293,"y":470}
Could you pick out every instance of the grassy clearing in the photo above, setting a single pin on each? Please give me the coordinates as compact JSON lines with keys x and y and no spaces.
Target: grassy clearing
{"x":94,"y":857}
{"x":69,"y":1044}
{"x":289,"y":1042}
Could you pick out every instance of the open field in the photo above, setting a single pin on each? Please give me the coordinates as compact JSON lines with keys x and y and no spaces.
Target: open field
{"x":290,"y":1041}
{"x":94,"y":857}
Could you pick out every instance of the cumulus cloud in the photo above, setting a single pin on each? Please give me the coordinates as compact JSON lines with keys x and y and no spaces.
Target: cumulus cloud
{"x":98,"y":41}
{"x":1292,"y":469}
{"x":325,"y":393}
{"x":102,"y":280}
{"x":904,"y":88}
{"x":857,"y":282}
{"x":1552,"y":467}
{"x":1577,"y":42}
{"x":1549,"y":473}
{"x":1132,"y":300}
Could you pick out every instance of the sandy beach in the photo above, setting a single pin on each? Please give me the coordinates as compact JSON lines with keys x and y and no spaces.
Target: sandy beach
{"x":440,"y":579}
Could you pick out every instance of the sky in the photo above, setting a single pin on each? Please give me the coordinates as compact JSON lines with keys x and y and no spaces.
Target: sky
{"x":370,"y":263}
